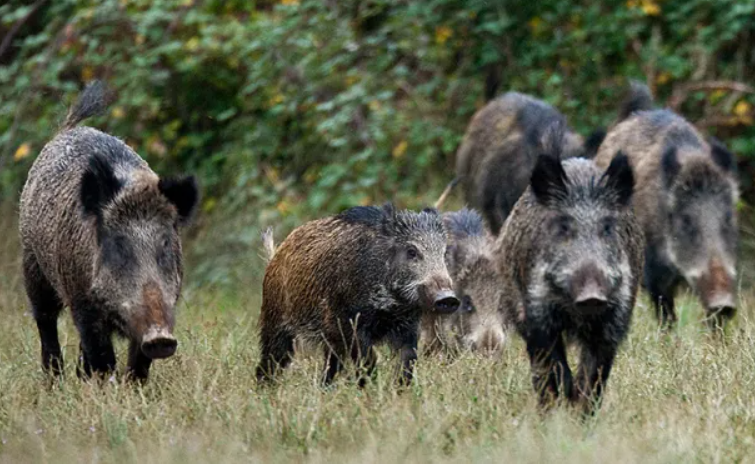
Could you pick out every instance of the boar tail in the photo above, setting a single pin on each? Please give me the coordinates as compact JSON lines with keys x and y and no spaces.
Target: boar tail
{"x":268,"y":244}
{"x":639,"y":99}
{"x":447,"y":192}
{"x":92,"y":101}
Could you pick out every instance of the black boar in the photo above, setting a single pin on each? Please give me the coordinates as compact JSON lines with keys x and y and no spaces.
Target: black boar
{"x":499,"y":150}
{"x":99,"y":232}
{"x":351,"y":281}
{"x":478,"y":324}
{"x":687,"y":192}
{"x":570,"y":258}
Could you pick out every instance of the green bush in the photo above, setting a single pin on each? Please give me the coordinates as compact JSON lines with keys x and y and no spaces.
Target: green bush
{"x":289,"y":110}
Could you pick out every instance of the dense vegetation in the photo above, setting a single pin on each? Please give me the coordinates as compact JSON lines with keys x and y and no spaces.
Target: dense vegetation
{"x":290,"y":109}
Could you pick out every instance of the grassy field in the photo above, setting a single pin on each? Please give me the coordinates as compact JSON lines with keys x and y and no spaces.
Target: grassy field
{"x":682,"y":397}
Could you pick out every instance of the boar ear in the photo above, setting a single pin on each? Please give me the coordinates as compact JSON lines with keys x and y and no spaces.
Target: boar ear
{"x":548,"y":181}
{"x":99,"y":186}
{"x":619,"y":178}
{"x":670,"y":165}
{"x":723,"y":157}
{"x":183,"y":193}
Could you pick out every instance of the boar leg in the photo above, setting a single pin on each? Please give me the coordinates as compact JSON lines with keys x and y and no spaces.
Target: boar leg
{"x":138,"y":362}
{"x":408,"y":354}
{"x":551,"y":376}
{"x":660,"y":284}
{"x":595,"y":365}
{"x":333,"y":363}
{"x":277,"y":349}
{"x":46,"y":307}
{"x":98,"y":355}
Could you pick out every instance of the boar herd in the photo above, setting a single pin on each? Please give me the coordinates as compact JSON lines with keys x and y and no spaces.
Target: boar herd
{"x":559,"y":233}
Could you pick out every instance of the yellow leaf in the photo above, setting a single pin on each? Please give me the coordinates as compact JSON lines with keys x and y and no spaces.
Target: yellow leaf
{"x":275,"y":99}
{"x":651,"y":8}
{"x":351,"y":80}
{"x":290,"y":2}
{"x":374,"y":105}
{"x":442,"y":34}
{"x":139,"y":39}
{"x":87,"y":73}
{"x":535,"y":25}
{"x":283,"y":207}
{"x":663,"y":77}
{"x":192,"y":44}
{"x":400,"y":149}
{"x":209,"y":204}
{"x":742,"y":109}
{"x":117,"y":112}
{"x":22,"y":151}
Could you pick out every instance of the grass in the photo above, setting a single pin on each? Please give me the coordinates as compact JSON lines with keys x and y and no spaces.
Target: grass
{"x":682,"y":397}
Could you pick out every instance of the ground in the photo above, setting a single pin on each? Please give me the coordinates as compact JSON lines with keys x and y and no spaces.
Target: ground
{"x":679,"y":397}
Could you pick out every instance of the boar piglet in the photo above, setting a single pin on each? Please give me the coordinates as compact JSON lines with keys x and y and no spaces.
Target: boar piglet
{"x":570,"y":257}
{"x":687,"y":191}
{"x":478,"y":324}
{"x":351,"y":281}
{"x":99,"y":231}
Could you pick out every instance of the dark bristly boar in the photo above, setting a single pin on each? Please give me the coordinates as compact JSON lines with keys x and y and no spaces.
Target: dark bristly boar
{"x":499,"y":150}
{"x":99,"y":232}
{"x":478,"y":324}
{"x":570,"y":258}
{"x":687,"y":192}
{"x":351,"y":281}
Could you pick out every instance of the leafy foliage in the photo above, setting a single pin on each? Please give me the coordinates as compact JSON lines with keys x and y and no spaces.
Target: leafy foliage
{"x":290,"y":109}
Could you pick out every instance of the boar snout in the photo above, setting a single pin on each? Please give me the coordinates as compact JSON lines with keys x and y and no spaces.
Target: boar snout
{"x":158,"y":343}
{"x":438,"y":295}
{"x":716,"y":288}
{"x":446,"y":302}
{"x":590,"y":288}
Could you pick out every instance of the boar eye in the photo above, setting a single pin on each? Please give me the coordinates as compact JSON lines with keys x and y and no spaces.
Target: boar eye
{"x":562,"y":226}
{"x":412,"y":253}
{"x":609,"y":227}
{"x":466,"y":304}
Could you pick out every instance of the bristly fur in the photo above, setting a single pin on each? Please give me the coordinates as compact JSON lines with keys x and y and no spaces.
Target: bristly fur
{"x":464,"y":223}
{"x":639,"y":99}
{"x":91,"y":102}
{"x":268,"y":244}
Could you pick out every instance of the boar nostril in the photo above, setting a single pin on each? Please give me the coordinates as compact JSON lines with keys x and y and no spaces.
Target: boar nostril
{"x":446,"y":302}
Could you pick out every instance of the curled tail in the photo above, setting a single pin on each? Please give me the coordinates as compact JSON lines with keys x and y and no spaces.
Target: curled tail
{"x":268,"y":244}
{"x":92,"y":101}
{"x":449,"y":188}
{"x":638,"y":99}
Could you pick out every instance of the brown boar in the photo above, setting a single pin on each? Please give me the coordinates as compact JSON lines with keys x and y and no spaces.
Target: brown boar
{"x":351,"y":281}
{"x":570,"y":258}
{"x":687,"y":191}
{"x":99,"y":232}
